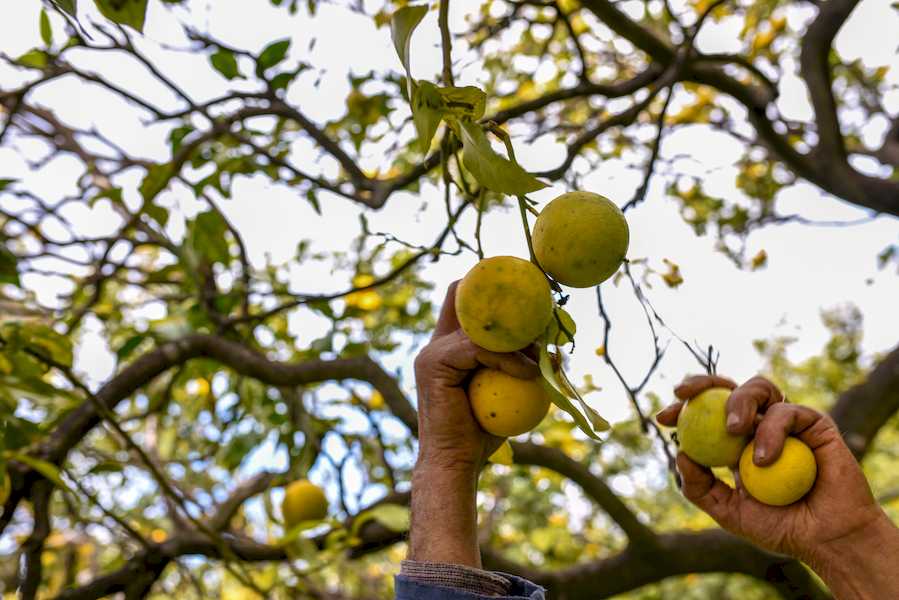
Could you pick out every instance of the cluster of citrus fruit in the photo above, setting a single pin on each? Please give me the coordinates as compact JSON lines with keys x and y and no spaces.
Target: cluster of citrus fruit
{"x":505,"y":303}
{"x":703,"y":436}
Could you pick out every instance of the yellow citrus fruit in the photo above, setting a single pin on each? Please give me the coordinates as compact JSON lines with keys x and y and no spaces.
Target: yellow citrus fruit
{"x":303,"y":501}
{"x":702,"y":433}
{"x":505,"y":405}
{"x":504,"y":303}
{"x":785,"y":481}
{"x":580,"y":239}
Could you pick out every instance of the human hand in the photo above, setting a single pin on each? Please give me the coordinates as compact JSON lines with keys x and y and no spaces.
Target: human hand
{"x":449,"y":436}
{"x":839,"y":506}
{"x":452,"y":446}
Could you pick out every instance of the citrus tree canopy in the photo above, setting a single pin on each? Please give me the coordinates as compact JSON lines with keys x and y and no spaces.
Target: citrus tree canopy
{"x":222,"y":229}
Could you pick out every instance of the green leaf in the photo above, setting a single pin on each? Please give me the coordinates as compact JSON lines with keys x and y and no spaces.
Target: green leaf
{"x":557,"y":335}
{"x":490,"y":169}
{"x":124,"y":12}
{"x":427,"y":111}
{"x":113,"y":194}
{"x":40,"y":339}
{"x":5,"y":181}
{"x":107,"y":466}
{"x":313,"y":200}
{"x":33,"y":59}
{"x":48,"y":470}
{"x":46,"y":30}
{"x":160,"y":214}
{"x":293,"y":534}
{"x":6,"y":366}
{"x":403,"y":23}
{"x":282,"y":80}
{"x":598,"y":422}
{"x":207,"y":236}
{"x":67,"y":6}
{"x":9,"y":272}
{"x":271,"y":55}
{"x":156,"y":179}
{"x":467,"y":102}
{"x":503,"y":455}
{"x":130,"y":345}
{"x":177,"y":135}
{"x":47,"y":342}
{"x":392,"y":516}
{"x":225,"y":63}
{"x":560,"y":393}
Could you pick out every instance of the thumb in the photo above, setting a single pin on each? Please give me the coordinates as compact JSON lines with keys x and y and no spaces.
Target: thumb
{"x":713,"y":496}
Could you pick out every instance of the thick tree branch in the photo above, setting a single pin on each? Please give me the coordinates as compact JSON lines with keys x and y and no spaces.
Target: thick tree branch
{"x":33,"y":548}
{"x":827,"y":166}
{"x":526,"y":453}
{"x":606,"y":11}
{"x":227,"y":509}
{"x":816,"y":70}
{"x":76,"y":425}
{"x":710,"y":551}
{"x":862,"y":410}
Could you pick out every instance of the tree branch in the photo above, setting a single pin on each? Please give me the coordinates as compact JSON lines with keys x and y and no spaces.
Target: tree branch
{"x":862,"y":410}
{"x":33,"y":548}
{"x":709,"y":551}
{"x":446,"y":43}
{"x":816,"y":71}
{"x":526,"y":453}
{"x":75,"y":426}
{"x":606,"y":11}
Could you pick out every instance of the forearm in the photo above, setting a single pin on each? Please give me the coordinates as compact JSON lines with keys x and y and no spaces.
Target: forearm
{"x":444,"y":516}
{"x":863,"y":567}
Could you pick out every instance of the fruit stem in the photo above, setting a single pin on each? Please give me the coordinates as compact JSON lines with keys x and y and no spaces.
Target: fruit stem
{"x":522,"y":207}
{"x":477,"y":228}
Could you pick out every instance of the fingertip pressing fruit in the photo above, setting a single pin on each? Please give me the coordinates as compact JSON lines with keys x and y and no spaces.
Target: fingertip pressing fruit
{"x":504,"y":303}
{"x":786,"y":480}
{"x":580,"y":239}
{"x":507,"y":406}
{"x":303,"y":501}
{"x":702,"y":430}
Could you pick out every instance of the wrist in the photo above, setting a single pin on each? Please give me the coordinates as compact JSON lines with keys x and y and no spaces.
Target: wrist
{"x":857,"y":566}
{"x":446,"y":464}
{"x":444,"y":513}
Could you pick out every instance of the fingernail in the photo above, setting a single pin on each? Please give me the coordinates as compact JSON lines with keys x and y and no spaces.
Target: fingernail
{"x":733,"y":420}
{"x":759,"y":454}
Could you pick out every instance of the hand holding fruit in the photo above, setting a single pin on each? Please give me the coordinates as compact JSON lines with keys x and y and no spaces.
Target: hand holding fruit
{"x":838,"y":506}
{"x":449,"y":435}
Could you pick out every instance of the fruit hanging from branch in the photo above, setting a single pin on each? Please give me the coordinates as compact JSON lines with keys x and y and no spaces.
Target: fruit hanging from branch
{"x":505,"y":303}
{"x":580,"y":239}
{"x":303,"y":501}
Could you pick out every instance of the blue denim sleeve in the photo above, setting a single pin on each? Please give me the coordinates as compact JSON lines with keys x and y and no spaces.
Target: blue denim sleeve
{"x":521,"y":589}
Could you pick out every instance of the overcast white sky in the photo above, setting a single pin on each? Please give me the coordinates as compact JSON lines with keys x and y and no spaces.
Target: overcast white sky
{"x":809,"y":268}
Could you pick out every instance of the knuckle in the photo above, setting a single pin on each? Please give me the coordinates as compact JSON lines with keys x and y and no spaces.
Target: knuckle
{"x":759,"y":380}
{"x":780,"y":409}
{"x":423,"y":359}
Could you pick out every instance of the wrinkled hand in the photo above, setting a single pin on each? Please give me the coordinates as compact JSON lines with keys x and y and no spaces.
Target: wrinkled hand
{"x":839,"y":506}
{"x":449,"y":435}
